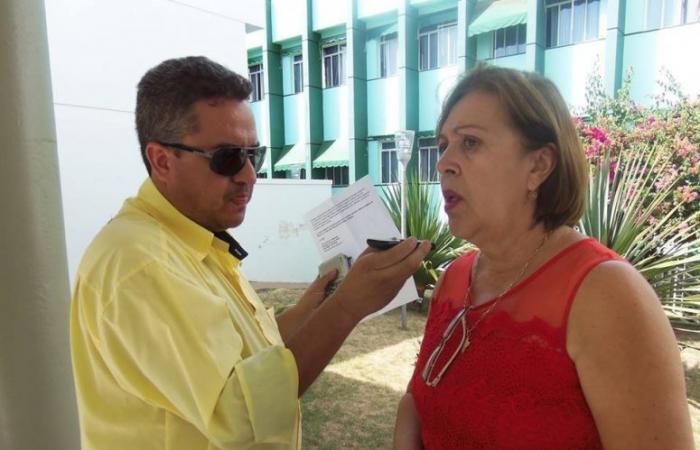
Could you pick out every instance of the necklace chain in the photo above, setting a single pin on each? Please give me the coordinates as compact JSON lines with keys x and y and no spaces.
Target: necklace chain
{"x":469,"y":296}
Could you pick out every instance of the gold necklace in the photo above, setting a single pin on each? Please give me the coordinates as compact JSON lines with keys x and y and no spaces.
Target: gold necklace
{"x":468,"y":295}
{"x":461,"y":319}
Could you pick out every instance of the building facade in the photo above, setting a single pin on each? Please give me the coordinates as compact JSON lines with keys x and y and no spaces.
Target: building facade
{"x":334,"y":79}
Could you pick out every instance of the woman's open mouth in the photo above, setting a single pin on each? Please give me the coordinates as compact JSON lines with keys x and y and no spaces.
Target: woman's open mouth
{"x":451,"y":199}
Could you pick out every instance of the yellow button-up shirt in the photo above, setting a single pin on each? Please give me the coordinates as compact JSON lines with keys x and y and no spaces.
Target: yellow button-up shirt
{"x":172,"y":348}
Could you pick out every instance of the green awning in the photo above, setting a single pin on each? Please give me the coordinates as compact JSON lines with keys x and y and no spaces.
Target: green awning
{"x":294,"y":158}
{"x":335,"y":154}
{"x":500,"y":14}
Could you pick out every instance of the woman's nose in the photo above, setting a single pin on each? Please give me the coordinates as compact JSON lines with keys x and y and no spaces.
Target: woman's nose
{"x":445,"y":163}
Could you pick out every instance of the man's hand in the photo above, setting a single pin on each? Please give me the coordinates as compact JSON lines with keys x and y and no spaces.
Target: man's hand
{"x":294,"y":317}
{"x":372,"y":282}
{"x":315,"y":293}
{"x":376,"y":277}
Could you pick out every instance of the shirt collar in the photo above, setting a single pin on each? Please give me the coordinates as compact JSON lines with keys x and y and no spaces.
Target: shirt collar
{"x":234,"y":247}
{"x":193,"y":234}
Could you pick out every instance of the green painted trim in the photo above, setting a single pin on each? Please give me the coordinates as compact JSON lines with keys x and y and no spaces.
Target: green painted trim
{"x":535,"y":42}
{"x":614,"y":45}
{"x":466,"y":47}
{"x":359,"y":162}
{"x":313,"y":92}
{"x":356,"y":69}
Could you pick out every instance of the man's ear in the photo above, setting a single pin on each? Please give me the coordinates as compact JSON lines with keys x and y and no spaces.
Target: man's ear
{"x":544,"y":160}
{"x":160,"y":159}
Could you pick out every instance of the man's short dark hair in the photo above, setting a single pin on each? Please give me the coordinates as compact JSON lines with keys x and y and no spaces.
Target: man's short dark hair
{"x":166,"y":94}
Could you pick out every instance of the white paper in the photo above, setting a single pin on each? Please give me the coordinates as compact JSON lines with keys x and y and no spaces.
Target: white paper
{"x":343,"y":224}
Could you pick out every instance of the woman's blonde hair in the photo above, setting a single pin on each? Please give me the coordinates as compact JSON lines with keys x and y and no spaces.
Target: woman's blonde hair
{"x":538,"y":111}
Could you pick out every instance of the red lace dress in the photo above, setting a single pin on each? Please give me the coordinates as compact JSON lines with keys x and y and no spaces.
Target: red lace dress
{"x":515,"y":386}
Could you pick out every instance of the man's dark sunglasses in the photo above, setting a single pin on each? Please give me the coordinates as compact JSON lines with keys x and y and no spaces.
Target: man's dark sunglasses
{"x":226,"y":160}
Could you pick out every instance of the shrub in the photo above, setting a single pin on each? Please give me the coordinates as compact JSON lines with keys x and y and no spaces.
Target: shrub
{"x":643,"y":198}
{"x":424,"y":221}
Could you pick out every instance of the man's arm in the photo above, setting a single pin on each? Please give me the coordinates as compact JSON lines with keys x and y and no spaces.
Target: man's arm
{"x":372,"y":282}
{"x":172,"y":344}
{"x":294,"y":317}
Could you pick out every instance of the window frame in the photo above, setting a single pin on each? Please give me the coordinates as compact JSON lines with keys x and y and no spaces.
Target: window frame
{"x":337,"y":71}
{"x":447,"y":29}
{"x":339,"y":175}
{"x":520,"y":47}
{"x":389,"y":147}
{"x":257,"y":80}
{"x":298,"y":78}
{"x":684,"y":12}
{"x":551,"y":5}
{"x":385,"y":47}
{"x":430,"y":144}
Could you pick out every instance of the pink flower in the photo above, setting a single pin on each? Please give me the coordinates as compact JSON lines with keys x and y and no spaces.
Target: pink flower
{"x":600,"y":135}
{"x":666,"y":179}
{"x":688,"y":195}
{"x":684,"y":147}
{"x":593,"y":150}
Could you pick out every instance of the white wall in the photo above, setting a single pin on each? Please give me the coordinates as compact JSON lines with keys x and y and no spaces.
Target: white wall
{"x":274,"y":234}
{"x":99,"y":50}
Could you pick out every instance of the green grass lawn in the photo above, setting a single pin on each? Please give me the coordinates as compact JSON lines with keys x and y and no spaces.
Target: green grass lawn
{"x":352,"y":405}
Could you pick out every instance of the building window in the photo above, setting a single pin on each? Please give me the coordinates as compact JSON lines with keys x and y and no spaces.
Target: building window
{"x":339,"y":175}
{"x":389,"y":163}
{"x":571,"y":21}
{"x":296,"y":173}
{"x":509,"y":41}
{"x":667,"y":13}
{"x":428,"y":155}
{"x":256,"y":78}
{"x":388,"y":48}
{"x":437,"y":46}
{"x":334,"y":65}
{"x":298,"y":66}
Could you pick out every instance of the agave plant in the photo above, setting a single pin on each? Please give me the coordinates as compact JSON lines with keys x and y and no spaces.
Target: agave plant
{"x":624,"y":213}
{"x":423,"y":221}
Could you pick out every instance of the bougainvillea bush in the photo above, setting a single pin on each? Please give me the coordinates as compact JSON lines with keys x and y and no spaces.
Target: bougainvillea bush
{"x":644,"y":193}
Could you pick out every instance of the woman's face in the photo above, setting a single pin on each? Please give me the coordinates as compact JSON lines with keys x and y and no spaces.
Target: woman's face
{"x":485,"y":171}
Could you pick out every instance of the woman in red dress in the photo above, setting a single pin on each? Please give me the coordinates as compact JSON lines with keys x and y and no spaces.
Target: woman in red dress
{"x":543,"y":338}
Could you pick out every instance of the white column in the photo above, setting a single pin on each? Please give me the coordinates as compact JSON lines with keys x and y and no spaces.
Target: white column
{"x":37,"y":402}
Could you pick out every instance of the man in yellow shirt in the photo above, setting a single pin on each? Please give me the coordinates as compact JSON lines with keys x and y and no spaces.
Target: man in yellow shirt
{"x":171,"y":347}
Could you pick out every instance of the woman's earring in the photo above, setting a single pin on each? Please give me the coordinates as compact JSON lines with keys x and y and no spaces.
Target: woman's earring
{"x":532,"y":195}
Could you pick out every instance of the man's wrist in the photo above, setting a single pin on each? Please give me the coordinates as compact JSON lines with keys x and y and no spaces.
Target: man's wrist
{"x":344,"y":315}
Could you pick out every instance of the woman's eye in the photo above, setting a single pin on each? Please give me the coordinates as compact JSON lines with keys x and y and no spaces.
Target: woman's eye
{"x":470,"y":143}
{"x":442,"y":146}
